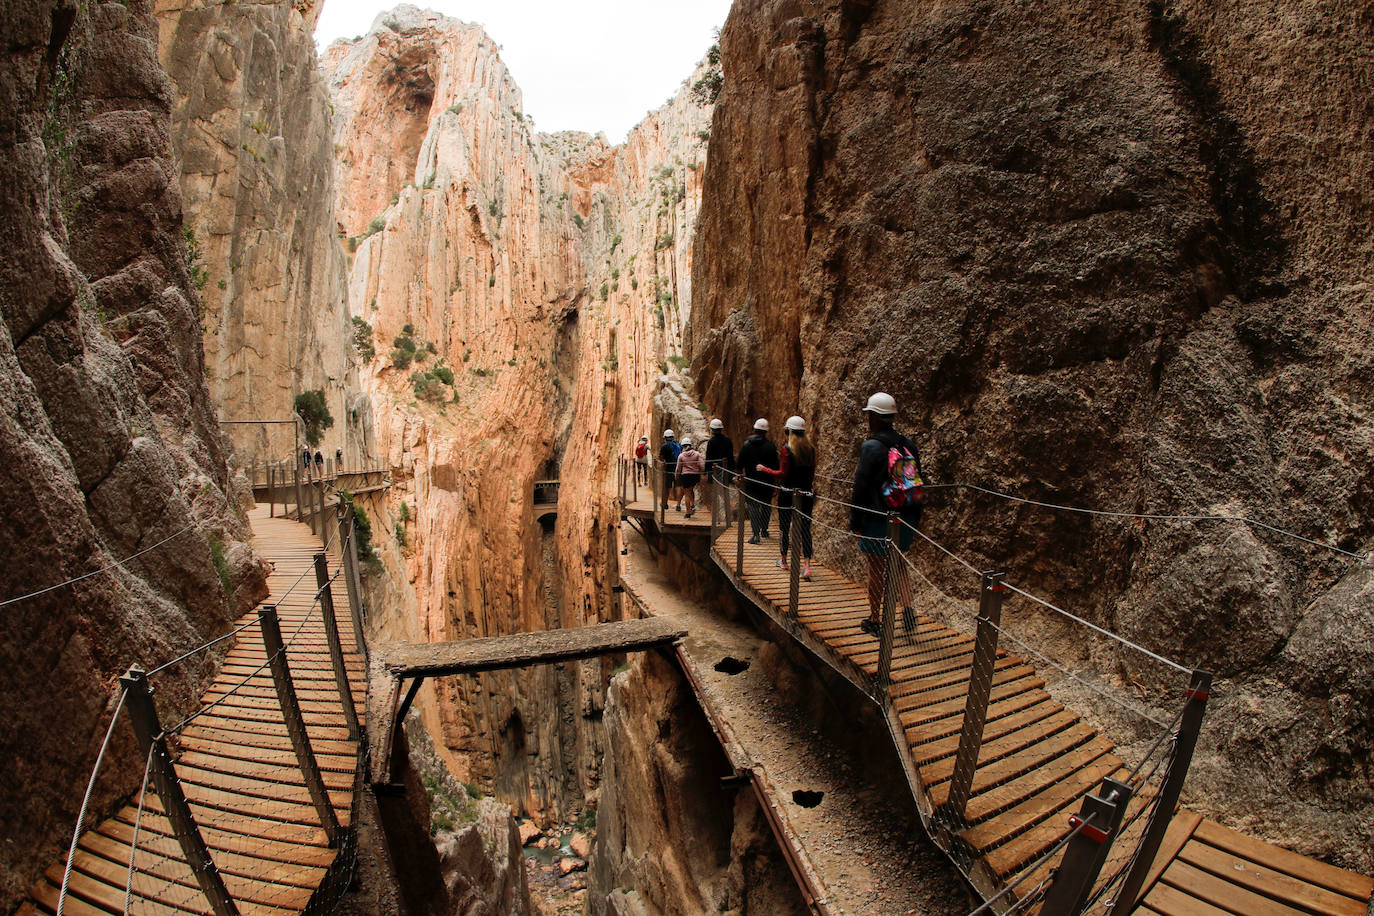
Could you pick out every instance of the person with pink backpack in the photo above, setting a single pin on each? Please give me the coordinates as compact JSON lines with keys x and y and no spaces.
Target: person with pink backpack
{"x":887,"y":480}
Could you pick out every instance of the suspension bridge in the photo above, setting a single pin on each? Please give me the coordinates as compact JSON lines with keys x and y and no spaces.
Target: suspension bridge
{"x":1034,"y":803}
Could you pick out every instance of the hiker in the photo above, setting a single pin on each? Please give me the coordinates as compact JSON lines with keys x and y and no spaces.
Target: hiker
{"x":667,"y":455}
{"x":305,"y":462}
{"x":887,"y":480}
{"x":720,"y":453}
{"x":690,"y":466}
{"x":757,"y":452}
{"x":642,"y":460}
{"x":796,"y":501}
{"x":319,"y":464}
{"x":338,"y":460}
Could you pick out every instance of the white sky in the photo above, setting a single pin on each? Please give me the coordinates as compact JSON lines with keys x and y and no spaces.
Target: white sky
{"x":593,"y":65}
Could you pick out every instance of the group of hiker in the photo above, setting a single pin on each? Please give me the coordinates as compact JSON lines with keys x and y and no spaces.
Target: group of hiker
{"x":887,"y":488}
{"x":318,"y":461}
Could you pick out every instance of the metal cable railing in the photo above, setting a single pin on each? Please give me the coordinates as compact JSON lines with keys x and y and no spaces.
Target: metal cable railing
{"x":253,"y":824}
{"x":970,"y":712}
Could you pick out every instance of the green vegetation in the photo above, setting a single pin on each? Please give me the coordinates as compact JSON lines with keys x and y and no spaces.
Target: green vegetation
{"x":432,"y":385}
{"x":400,"y":531}
{"x":199,"y":275}
{"x":604,"y":293}
{"x":615,"y":243}
{"x":706,"y":90}
{"x":314,"y":413}
{"x":578,"y":220}
{"x":226,"y":581}
{"x":362,"y":339}
{"x":678,"y":360}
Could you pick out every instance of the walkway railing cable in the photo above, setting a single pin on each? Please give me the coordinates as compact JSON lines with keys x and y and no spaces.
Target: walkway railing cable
{"x":86,"y":800}
{"x":96,"y":572}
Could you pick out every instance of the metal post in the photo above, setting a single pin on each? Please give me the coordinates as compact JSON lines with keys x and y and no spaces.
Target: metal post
{"x":884,"y":675}
{"x":319,"y":509}
{"x":1170,"y":788}
{"x":1083,"y":857}
{"x":349,"y":555}
{"x":296,"y":468}
{"x":976,"y":700}
{"x":331,"y":634}
{"x":295,"y":724}
{"x":359,"y":612}
{"x":794,"y":563}
{"x":739,"y":528}
{"x":634,"y":482}
{"x":271,"y":493}
{"x":148,"y":731}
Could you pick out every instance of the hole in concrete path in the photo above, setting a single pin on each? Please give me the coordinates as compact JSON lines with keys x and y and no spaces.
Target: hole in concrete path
{"x":806,"y":798}
{"x":731,"y":665}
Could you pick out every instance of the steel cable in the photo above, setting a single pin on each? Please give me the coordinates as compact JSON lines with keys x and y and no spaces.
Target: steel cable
{"x":117,"y":563}
{"x":138,"y":820}
{"x":86,"y":800}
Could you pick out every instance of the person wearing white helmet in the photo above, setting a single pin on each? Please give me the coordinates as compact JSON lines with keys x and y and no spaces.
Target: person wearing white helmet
{"x":667,"y":456}
{"x":690,"y":466}
{"x":757,"y":452}
{"x":887,"y":481}
{"x":720,"y":453}
{"x":796,"y":474}
{"x":642,"y":460}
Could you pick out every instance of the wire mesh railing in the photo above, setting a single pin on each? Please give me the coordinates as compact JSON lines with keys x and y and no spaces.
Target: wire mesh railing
{"x":246,"y":803}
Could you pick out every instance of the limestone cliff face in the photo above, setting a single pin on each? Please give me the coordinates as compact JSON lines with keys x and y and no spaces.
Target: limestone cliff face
{"x":528,"y":266}
{"x":108,"y":440}
{"x":252,"y":133}
{"x":1105,"y":255}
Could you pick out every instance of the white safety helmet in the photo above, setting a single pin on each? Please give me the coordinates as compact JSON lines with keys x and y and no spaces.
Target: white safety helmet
{"x":881,"y":403}
{"x":643,"y":438}
{"x":716,"y":424}
{"x":761,"y":424}
{"x":796,"y":424}
{"x":686,"y":442}
{"x":667,"y":434}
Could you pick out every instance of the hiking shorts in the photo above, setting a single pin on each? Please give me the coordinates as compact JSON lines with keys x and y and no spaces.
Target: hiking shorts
{"x":873,"y":535}
{"x":689,"y":480}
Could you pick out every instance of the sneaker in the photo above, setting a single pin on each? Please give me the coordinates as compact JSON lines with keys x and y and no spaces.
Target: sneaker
{"x":678,"y":507}
{"x":688,"y":513}
{"x":782,"y":562}
{"x":765,"y":532}
{"x":871,"y":627}
{"x":754,"y":539}
{"x":806,"y":570}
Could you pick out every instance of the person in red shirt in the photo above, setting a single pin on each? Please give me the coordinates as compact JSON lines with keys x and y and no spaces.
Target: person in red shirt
{"x":642,"y":460}
{"x":796,"y":474}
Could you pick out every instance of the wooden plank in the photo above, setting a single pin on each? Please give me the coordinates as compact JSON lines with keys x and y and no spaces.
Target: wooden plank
{"x":274,"y":871}
{"x":1181,"y":827}
{"x":1051,"y":798}
{"x":1170,"y":901}
{"x":1027,"y":687}
{"x":995,"y":800}
{"x":1007,"y":745}
{"x":1277,"y":885}
{"x":541,"y":647}
{"x":1222,"y":893}
{"x":1348,"y":883}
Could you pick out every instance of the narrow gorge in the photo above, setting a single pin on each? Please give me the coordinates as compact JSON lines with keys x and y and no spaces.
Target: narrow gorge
{"x":1110,"y":260}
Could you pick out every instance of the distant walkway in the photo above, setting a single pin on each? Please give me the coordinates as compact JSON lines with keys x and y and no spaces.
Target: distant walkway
{"x":240,"y":773}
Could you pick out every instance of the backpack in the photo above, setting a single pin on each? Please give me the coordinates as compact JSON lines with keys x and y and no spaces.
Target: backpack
{"x":641,"y":450}
{"x":902,"y":489}
{"x":674,"y":449}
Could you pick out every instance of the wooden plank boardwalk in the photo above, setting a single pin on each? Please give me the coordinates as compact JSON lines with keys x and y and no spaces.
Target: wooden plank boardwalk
{"x":238,"y":771}
{"x":1037,"y":761}
{"x":673,"y":520}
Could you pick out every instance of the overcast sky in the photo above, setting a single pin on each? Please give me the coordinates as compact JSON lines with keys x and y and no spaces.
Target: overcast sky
{"x":593,"y":65}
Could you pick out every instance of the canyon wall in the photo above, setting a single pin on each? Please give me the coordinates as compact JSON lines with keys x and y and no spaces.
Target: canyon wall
{"x":509,"y":280}
{"x":108,"y":440}
{"x":1109,"y":255}
{"x":253,"y":135}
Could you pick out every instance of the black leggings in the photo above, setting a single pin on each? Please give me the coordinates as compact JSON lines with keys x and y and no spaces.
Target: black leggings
{"x":805,"y":506}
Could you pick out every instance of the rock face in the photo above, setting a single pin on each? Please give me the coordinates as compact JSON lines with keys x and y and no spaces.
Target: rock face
{"x":108,"y":442}
{"x":253,"y":136}
{"x":530,"y":267}
{"x":1104,"y":255}
{"x":704,"y":848}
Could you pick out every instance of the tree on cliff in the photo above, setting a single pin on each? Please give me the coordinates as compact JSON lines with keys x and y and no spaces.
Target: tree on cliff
{"x":310,"y":407}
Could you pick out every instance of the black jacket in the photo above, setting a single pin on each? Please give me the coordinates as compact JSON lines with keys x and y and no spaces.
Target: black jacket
{"x":757,"y":450}
{"x":871,"y":473}
{"x":720,"y":453}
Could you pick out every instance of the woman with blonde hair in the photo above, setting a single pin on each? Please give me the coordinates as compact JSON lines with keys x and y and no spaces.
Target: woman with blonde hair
{"x":796,"y":474}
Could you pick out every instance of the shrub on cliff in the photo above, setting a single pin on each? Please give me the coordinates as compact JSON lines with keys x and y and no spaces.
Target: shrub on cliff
{"x":314,"y":413}
{"x":362,"y":339}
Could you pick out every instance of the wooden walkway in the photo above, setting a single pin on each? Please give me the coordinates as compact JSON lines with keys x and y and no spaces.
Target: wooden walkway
{"x":673,"y":520}
{"x":1038,"y":760}
{"x":239,"y":772}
